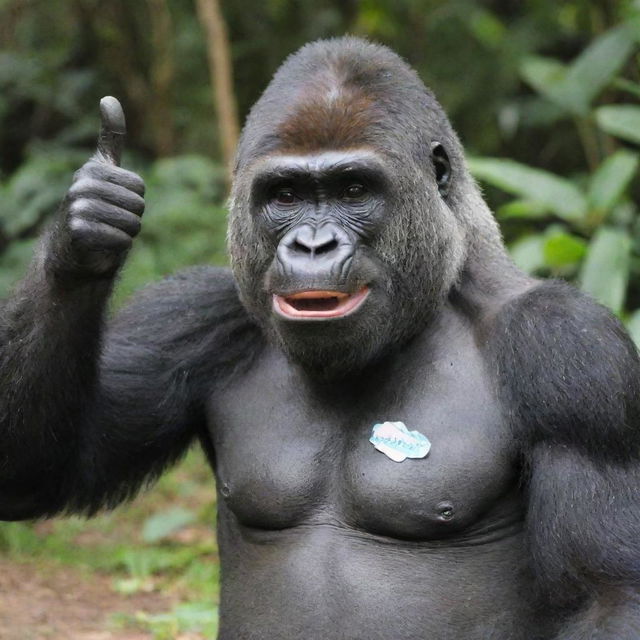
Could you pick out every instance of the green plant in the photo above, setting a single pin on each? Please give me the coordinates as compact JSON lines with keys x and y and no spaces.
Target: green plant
{"x":585,"y":226}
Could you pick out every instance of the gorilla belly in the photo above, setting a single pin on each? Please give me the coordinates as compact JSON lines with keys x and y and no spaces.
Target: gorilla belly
{"x":322,"y":580}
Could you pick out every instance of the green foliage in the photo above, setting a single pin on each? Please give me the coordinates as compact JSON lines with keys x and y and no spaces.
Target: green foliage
{"x":193,"y":617}
{"x":610,"y":182}
{"x":574,"y":87}
{"x":622,"y":121}
{"x":597,"y":239}
{"x":550,"y":192}
{"x":605,"y":270}
{"x":34,"y":190}
{"x":163,"y":524}
{"x":184,"y":224}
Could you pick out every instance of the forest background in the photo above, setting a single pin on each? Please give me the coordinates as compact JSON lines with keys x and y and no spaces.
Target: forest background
{"x":545,"y":95}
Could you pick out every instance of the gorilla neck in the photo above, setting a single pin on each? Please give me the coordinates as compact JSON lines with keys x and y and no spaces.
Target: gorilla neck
{"x":489,"y":278}
{"x":332,"y":352}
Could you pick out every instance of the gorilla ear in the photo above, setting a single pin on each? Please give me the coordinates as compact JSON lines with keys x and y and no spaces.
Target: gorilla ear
{"x":442,"y":168}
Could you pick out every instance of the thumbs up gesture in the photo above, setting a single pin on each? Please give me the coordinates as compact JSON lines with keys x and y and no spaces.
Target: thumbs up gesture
{"x":101,"y":211}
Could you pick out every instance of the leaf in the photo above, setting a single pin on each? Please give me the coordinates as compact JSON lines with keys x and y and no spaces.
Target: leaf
{"x":525,"y":209}
{"x":563,"y":249}
{"x":163,"y":524}
{"x":621,"y":120}
{"x":596,"y":67}
{"x":546,"y":76}
{"x":633,"y":326}
{"x":558,"y":195}
{"x":611,"y":179}
{"x":573,"y":87}
{"x":528,"y":253}
{"x":605,"y":271}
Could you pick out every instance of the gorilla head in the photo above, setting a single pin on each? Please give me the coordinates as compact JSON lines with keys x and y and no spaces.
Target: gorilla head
{"x":349,"y":217}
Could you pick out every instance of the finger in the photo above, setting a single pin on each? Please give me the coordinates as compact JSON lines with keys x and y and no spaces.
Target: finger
{"x":103,"y":212}
{"x":98,"y":236}
{"x":113,"y":129}
{"x":114,"y":175}
{"x":112,"y":193}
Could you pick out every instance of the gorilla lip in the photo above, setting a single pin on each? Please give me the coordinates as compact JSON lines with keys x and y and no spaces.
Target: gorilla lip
{"x":319,"y":304}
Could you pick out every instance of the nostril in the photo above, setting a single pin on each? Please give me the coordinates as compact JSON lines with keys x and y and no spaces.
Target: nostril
{"x":313,"y":249}
{"x":298,"y":247}
{"x":327,"y":247}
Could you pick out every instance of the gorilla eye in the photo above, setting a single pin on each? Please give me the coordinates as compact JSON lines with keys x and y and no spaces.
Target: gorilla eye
{"x":442,"y":168}
{"x":354,"y":192}
{"x":285,"y":196}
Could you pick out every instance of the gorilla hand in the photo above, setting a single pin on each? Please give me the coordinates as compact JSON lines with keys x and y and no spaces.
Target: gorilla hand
{"x":101,"y":211}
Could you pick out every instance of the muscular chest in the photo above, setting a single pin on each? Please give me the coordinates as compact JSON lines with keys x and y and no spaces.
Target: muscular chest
{"x":288,"y":454}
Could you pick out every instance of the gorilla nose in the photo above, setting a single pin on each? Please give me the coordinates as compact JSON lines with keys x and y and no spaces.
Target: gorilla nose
{"x":310,"y":242}
{"x":319,"y":252}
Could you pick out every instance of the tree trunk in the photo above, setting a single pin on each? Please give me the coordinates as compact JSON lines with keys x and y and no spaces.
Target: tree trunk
{"x":162,"y":75}
{"x":221,"y":73}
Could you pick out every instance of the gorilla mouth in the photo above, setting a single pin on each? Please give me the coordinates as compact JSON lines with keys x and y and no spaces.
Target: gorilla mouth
{"x":319,"y":304}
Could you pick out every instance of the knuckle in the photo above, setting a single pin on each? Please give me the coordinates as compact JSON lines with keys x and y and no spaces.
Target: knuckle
{"x":80,"y":207}
{"x":84,"y":187}
{"x":78,"y":229}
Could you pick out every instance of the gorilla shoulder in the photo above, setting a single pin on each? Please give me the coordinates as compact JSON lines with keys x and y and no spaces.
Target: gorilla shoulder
{"x":568,"y":370}
{"x":194,"y":318}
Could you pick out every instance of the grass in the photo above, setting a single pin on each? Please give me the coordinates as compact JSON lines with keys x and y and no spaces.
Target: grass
{"x":162,"y":542}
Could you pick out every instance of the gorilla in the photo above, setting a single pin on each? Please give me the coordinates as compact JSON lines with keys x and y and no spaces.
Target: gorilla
{"x":410,"y":437}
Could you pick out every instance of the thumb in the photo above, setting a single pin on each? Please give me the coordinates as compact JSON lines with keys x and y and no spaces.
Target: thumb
{"x":113,"y":129}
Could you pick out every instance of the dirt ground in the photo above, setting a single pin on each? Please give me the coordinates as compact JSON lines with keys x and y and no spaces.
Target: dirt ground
{"x":64,"y":604}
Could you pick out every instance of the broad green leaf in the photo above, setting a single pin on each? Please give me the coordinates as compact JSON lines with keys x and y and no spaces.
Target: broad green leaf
{"x":596,"y":67}
{"x":611,"y":179}
{"x":633,"y":326}
{"x":563,"y":249}
{"x":574,"y":87}
{"x":523,"y":209}
{"x":621,"y":120}
{"x":528,"y":253}
{"x":559,"y":195}
{"x":605,"y":271}
{"x":163,"y":524}
{"x":546,"y":76}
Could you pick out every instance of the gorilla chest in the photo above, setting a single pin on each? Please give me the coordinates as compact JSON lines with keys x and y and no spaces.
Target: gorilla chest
{"x":285,"y":457}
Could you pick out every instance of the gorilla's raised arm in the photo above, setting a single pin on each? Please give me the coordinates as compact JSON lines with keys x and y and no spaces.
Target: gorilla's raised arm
{"x":86,"y":417}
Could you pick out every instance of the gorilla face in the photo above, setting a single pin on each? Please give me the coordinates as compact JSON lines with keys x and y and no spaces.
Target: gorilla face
{"x":322,"y":211}
{"x":341,"y":238}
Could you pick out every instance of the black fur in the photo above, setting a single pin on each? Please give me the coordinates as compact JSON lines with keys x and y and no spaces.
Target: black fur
{"x":568,"y":378}
{"x":161,"y":355}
